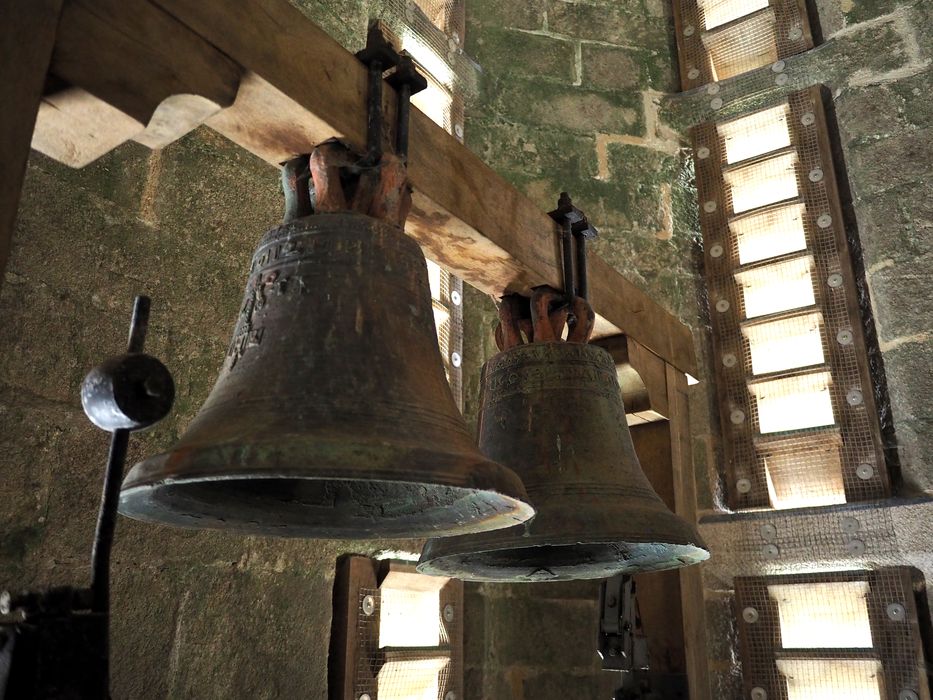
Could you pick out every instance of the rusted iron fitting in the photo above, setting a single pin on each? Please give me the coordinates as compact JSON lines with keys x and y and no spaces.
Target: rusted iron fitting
{"x":336,"y":178}
{"x":543,"y":318}
{"x":575,"y":230}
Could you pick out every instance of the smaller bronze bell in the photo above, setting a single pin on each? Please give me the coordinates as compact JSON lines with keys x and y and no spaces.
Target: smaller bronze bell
{"x":552,"y":411}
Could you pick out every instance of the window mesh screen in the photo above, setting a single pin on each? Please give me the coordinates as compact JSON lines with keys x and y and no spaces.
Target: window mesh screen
{"x":719,"y":39}
{"x":799,"y":418}
{"x":851,"y":635}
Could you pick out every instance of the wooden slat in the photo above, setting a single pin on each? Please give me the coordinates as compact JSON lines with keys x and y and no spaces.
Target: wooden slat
{"x":27,"y":37}
{"x":353,"y":573}
{"x":76,"y":128}
{"x":142,"y":61}
{"x":642,"y":377}
{"x":691,"y":577}
{"x":465,"y":216}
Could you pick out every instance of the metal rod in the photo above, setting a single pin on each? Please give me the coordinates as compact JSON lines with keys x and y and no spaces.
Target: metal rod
{"x":119,"y":441}
{"x":582,"y":286}
{"x":106,"y":522}
{"x":404,"y":112}
{"x":566,"y":244}
{"x":374,"y":112}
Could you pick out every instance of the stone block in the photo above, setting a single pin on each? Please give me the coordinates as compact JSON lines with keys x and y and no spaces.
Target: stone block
{"x":571,"y":686}
{"x":533,"y":150}
{"x":612,"y":68}
{"x":542,"y":633}
{"x":894,"y":225}
{"x":573,"y":109}
{"x":493,"y":13}
{"x":900,"y":160}
{"x":506,"y":53}
{"x":901,"y":298}
{"x":623,"y":24}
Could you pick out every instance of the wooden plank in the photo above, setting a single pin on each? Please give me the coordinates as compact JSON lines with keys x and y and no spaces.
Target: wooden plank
{"x":465,"y":216}
{"x":145,"y":63}
{"x":27,"y":36}
{"x":659,"y":592}
{"x":353,"y":573}
{"x":642,"y":376}
{"x":76,"y":128}
{"x":691,"y":578}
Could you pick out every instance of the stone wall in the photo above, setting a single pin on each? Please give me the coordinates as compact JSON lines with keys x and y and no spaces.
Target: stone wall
{"x":876,"y":59}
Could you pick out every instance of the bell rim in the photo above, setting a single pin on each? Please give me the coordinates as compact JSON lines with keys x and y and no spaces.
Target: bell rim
{"x":482,"y":483}
{"x":453,"y":561}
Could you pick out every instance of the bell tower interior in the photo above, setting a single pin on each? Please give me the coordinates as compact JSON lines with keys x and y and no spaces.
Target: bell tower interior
{"x":746,"y":186}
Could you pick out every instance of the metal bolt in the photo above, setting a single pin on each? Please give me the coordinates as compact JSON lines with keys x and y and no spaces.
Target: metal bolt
{"x":737,"y":416}
{"x":365,"y":696}
{"x":702,"y":153}
{"x":864,"y":472}
{"x":693,"y":74}
{"x":824,"y":221}
{"x":369,"y":605}
{"x":709,"y":206}
{"x":6,"y":603}
{"x":750,"y":615}
{"x":743,"y":485}
{"x":770,"y":551}
{"x":854,"y":397}
{"x":834,"y":280}
{"x":781,"y":79}
{"x":908,"y":694}
{"x":795,"y":33}
{"x":855,"y":547}
{"x":896,"y":612}
{"x":759,"y":693}
{"x":845,"y":337}
{"x":455,"y":359}
{"x":722,"y":306}
{"x":715,"y":251}
{"x":712,"y":89}
{"x":716,"y":103}
{"x":689,"y":30}
{"x":455,"y":298}
{"x":448,"y":613}
{"x":778,"y":66}
{"x":816,"y":175}
{"x":450,"y":695}
{"x":458,"y":131}
{"x":728,"y":360}
{"x":767,"y":531}
{"x":850,"y":525}
{"x":808,"y":118}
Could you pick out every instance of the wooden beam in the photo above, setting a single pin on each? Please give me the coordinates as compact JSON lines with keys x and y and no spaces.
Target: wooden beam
{"x":693,"y":600}
{"x":76,"y":128}
{"x":145,"y":63}
{"x":27,"y":37}
{"x":465,"y":216}
{"x":643,"y":378}
{"x":301,"y":88}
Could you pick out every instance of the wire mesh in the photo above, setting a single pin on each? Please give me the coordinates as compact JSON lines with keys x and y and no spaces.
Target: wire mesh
{"x":849,"y":635}
{"x":791,"y":361}
{"x":418,"y":658}
{"x":719,"y":39}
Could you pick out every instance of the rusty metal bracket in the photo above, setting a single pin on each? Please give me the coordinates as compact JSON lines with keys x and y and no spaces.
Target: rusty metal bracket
{"x":576,"y":229}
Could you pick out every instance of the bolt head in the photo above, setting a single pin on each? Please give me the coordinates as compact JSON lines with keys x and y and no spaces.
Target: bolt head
{"x":855,"y":547}
{"x":781,"y":79}
{"x":702,"y":153}
{"x":737,"y":416}
{"x":689,"y":30}
{"x":854,"y":397}
{"x":716,"y":103}
{"x":850,"y":525}
{"x":770,"y":551}
{"x":693,"y":74}
{"x":834,"y":280}
{"x":710,"y":206}
{"x":455,"y":359}
{"x":845,"y":337}
{"x":759,"y":693}
{"x":824,"y":221}
{"x":455,"y":298}
{"x":743,"y":485}
{"x":778,"y":66}
{"x":767,"y":531}
{"x":449,"y":613}
{"x":729,"y":360}
{"x":722,"y":306}
{"x":864,"y":472}
{"x":908,"y":694}
{"x":368,"y":605}
{"x":715,"y":250}
{"x":808,"y":118}
{"x":816,"y":175}
{"x":750,"y":615}
{"x":896,"y":612}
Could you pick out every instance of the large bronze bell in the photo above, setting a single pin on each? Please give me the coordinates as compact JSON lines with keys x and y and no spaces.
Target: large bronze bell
{"x":332,"y":416}
{"x":552,"y":411}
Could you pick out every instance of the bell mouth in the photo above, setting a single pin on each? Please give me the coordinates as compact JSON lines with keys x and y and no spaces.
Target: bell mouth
{"x":558,"y":562}
{"x":323,"y":508}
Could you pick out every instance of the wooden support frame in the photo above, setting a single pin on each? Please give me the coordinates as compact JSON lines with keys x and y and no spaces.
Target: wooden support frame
{"x":266,"y":77}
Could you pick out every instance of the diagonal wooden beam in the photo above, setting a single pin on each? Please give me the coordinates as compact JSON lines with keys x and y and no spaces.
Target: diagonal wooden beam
{"x":27,"y":37}
{"x":301,"y":87}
